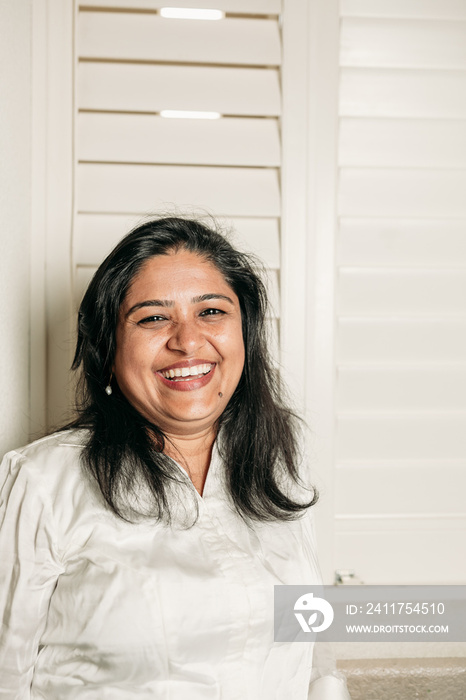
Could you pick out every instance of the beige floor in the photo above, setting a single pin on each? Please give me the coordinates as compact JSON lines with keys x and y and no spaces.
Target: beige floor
{"x":405,"y":679}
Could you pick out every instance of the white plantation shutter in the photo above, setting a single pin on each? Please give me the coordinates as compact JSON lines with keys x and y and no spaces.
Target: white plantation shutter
{"x":131,"y":162}
{"x":400,"y":464}
{"x":348,"y":179}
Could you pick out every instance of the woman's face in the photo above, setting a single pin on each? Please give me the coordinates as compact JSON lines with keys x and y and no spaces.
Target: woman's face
{"x":179,"y":343}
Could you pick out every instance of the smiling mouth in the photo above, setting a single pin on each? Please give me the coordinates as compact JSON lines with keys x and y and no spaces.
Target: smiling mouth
{"x":185,"y":374}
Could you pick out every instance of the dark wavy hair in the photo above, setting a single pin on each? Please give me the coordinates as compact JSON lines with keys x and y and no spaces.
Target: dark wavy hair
{"x":124,"y":451}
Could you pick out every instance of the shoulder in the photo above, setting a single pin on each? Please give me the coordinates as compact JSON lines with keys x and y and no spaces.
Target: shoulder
{"x":51,"y":461}
{"x":45,"y":485}
{"x":44,"y":446}
{"x":51,"y":451}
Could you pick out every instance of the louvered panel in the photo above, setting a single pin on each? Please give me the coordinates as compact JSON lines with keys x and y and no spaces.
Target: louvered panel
{"x":144,"y":138}
{"x":148,"y":37}
{"x":84,"y":275}
{"x":402,"y":143}
{"x":438,"y":436}
{"x":260,"y":237}
{"x":400,"y":487}
{"x":246,"y":7}
{"x":403,"y":551}
{"x":392,"y":43}
{"x":382,"y":291}
{"x":425,"y":9}
{"x":401,"y":340}
{"x":402,"y":388}
{"x":382,"y":241}
{"x":400,"y":404}
{"x":402,"y":93}
{"x":147,"y":188}
{"x":402,"y":192}
{"x":151,"y":88}
{"x":96,"y":234}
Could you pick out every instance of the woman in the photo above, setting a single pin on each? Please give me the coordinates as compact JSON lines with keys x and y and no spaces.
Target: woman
{"x":141,"y":545}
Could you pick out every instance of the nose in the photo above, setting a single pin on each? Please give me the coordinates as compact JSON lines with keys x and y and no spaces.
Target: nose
{"x":186,"y":337}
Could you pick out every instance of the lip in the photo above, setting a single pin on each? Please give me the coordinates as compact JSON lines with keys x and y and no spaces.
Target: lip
{"x":195,"y":382}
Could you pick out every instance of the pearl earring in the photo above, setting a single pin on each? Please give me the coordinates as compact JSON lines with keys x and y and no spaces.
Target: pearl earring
{"x":108,"y":388}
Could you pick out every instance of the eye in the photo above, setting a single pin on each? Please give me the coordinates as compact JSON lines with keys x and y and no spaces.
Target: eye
{"x":211,"y":312}
{"x":150,"y":320}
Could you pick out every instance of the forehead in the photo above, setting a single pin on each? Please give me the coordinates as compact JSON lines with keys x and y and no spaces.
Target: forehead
{"x":176,"y":273}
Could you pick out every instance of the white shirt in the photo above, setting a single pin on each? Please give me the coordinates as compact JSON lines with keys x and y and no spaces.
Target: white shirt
{"x":95,"y":607}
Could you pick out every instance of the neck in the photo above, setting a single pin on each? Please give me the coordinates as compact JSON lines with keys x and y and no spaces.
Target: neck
{"x":193,"y":453}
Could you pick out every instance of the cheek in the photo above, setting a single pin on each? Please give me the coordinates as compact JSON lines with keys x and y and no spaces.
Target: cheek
{"x":238,"y":351}
{"x":129,"y":361}
{"x":135,"y":348}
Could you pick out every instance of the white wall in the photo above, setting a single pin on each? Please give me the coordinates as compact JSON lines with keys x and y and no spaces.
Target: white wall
{"x":15,"y":193}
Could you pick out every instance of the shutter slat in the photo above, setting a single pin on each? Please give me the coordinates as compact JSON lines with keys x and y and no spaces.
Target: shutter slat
{"x":144,"y":138}
{"x":151,"y":88}
{"x":253,"y":7}
{"x":432,"y":9}
{"x":147,"y":188}
{"x":402,"y":143}
{"x":401,"y":340}
{"x":417,"y":436}
{"x":402,"y":93}
{"x":260,"y":237}
{"x":96,"y":234}
{"x":383,"y":241}
{"x":402,"y":192}
{"x":143,"y":37}
{"x":396,"y":487}
{"x":401,"y":292}
{"x":401,"y":388}
{"x":391,"y":559}
{"x":395,"y":43}
{"x":394,"y":523}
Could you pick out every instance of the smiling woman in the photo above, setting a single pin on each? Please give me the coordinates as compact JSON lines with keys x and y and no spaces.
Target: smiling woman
{"x":172,"y":505}
{"x":178,"y":267}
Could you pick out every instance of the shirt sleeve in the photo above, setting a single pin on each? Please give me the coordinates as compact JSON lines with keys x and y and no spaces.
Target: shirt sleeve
{"x":29,"y":569}
{"x":326,"y":682}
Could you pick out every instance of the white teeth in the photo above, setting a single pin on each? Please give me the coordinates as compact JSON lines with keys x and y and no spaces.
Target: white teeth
{"x":187,"y":371}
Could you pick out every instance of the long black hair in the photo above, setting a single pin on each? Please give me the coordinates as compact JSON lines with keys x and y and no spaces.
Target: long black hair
{"x":124,"y":451}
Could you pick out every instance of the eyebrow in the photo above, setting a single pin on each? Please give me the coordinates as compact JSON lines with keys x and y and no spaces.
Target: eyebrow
{"x":167,"y":303}
{"x":208,"y":297}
